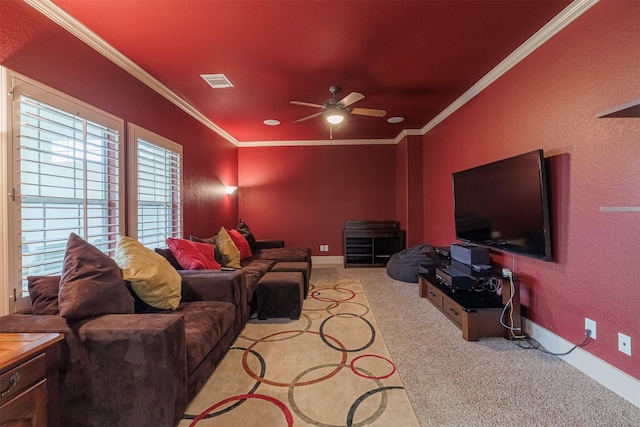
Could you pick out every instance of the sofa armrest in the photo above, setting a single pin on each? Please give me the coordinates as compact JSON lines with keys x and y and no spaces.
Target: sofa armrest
{"x":269,"y":244}
{"x":217,"y":285}
{"x":117,"y":369}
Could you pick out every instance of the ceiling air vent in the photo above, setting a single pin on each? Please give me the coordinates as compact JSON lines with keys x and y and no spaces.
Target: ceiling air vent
{"x":217,"y":81}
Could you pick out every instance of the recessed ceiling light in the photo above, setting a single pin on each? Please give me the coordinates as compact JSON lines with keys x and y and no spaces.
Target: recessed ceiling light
{"x":395,"y":119}
{"x":217,"y":81}
{"x":271,"y":122}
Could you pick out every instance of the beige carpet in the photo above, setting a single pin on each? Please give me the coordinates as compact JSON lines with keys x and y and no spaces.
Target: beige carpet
{"x":329,"y":368}
{"x":451,"y":382}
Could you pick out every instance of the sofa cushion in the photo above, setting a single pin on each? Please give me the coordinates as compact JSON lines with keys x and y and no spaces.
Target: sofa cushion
{"x":43,"y":292}
{"x":205,"y":324}
{"x":152,"y":278}
{"x":193,"y":255}
{"x":91,"y":283}
{"x":253,"y":271}
{"x":228,"y":249}
{"x":286,"y":254}
{"x":241,"y":243}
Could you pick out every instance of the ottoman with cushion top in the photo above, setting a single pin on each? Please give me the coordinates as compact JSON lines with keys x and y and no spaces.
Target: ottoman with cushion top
{"x":280,"y":294}
{"x":302,"y":267}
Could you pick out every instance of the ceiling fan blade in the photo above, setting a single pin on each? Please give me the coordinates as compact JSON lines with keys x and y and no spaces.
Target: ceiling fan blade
{"x":306,"y":104}
{"x":309,"y":117}
{"x":368,"y":112}
{"x":352,"y":98}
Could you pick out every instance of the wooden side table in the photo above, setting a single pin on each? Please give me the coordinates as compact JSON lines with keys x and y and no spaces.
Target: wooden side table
{"x":29,"y":394}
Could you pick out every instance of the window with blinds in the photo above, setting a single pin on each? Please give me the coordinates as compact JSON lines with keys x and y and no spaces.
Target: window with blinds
{"x":68,"y":173}
{"x":158,"y":177}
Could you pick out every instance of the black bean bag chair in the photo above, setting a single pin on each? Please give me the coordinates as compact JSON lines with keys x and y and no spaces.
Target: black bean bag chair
{"x":404,"y":265}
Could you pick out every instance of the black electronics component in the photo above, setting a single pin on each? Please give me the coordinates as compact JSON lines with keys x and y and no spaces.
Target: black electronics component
{"x":470,"y":254}
{"x":455,"y":280}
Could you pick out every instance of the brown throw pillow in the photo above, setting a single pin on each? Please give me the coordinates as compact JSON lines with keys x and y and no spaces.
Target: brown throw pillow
{"x":43,"y":292}
{"x":91,"y":283}
{"x":244,"y":229}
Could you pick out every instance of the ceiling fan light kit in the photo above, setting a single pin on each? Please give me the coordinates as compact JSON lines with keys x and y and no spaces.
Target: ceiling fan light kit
{"x":335,"y":111}
{"x":335,"y":118}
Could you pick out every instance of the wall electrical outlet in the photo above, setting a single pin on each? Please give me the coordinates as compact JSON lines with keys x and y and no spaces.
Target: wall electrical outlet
{"x":624,"y":343}
{"x":324,"y":248}
{"x":591,"y":325}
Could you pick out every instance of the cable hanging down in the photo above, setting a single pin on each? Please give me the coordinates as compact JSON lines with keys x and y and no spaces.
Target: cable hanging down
{"x":521,"y":339}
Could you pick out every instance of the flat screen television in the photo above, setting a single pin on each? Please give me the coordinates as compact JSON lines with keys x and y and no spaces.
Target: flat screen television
{"x":504,"y":206}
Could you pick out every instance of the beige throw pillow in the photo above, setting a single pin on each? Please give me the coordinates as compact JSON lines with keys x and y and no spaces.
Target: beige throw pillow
{"x":228,"y":249}
{"x":152,"y":277}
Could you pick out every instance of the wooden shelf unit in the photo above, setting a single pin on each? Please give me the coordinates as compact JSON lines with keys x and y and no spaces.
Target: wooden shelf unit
{"x":371,"y":243}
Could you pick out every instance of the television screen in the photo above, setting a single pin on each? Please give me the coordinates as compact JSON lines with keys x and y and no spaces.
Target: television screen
{"x":503,"y":205}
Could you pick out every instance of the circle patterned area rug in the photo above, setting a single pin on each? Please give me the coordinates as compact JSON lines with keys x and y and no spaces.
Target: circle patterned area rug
{"x":330,"y":368}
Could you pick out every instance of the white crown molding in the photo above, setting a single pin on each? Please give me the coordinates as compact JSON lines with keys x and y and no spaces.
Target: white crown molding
{"x":309,"y":142}
{"x":66,"y":21}
{"x":553,"y":27}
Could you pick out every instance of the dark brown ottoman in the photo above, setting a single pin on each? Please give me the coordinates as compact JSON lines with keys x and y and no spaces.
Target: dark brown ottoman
{"x":302,"y":267}
{"x":280,"y":295}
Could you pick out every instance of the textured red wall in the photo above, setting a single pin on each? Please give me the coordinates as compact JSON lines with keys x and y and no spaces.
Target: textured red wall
{"x":37,"y":48}
{"x":304,"y":194}
{"x":550,"y":101}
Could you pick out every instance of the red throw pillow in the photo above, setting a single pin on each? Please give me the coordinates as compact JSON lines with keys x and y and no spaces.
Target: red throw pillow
{"x":241,"y":243}
{"x":193,"y":255}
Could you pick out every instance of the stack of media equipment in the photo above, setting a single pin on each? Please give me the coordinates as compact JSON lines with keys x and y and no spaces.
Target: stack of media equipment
{"x":469,"y":268}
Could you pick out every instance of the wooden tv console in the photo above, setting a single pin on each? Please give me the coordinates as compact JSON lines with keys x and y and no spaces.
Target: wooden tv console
{"x":477,"y":314}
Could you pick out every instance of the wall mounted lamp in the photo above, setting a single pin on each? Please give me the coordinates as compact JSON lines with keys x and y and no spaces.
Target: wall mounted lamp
{"x":230,"y":189}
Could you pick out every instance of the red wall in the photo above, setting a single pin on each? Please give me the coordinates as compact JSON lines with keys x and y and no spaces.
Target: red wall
{"x":37,"y":48}
{"x":304,"y":194}
{"x":550,"y":101}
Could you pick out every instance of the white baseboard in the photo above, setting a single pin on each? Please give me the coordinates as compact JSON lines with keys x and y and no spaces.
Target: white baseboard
{"x":321,"y":260}
{"x":609,"y":376}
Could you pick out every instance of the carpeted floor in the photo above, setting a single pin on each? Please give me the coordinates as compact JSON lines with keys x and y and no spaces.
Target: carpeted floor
{"x":329,"y":368}
{"x":451,"y":382}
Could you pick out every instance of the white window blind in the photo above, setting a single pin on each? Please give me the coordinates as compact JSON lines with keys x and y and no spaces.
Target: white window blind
{"x":158,"y":163}
{"x":69,"y":181}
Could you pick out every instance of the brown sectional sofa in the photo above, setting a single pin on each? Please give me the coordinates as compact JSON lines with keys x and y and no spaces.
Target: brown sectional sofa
{"x":266,"y":254}
{"x":144,"y":368}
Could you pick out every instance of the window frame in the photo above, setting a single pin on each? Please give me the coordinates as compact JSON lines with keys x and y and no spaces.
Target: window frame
{"x":136,"y":133}
{"x":17,"y":85}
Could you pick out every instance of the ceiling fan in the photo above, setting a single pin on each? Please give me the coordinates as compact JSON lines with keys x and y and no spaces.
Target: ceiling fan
{"x":335,"y":110}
